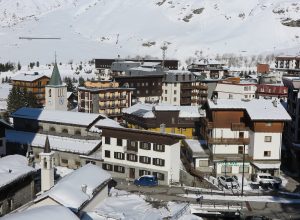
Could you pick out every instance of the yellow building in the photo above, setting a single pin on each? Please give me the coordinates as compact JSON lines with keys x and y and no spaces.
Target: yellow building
{"x":171,"y":119}
{"x":34,"y":83}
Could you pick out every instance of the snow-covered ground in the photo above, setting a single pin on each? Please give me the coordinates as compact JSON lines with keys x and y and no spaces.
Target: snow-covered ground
{"x":106,"y":28}
{"x":123,"y":205}
{"x":4,"y":91}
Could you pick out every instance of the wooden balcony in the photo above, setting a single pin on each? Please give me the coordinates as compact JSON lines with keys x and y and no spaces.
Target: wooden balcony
{"x":240,"y":141}
{"x":238,"y":127}
{"x":207,"y":124}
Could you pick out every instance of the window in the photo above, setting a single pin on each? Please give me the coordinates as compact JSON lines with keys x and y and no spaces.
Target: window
{"x":49,"y":92}
{"x":106,"y":166}
{"x":137,"y":91}
{"x":1,"y":143}
{"x":176,"y":77}
{"x":65,"y":161}
{"x":146,"y":83}
{"x":119,"y":155}
{"x":77,"y":163}
{"x":166,"y":99}
{"x":158,"y":162}
{"x":119,"y":142}
{"x":160,"y":176}
{"x":146,"y":160}
{"x":173,"y":120}
{"x":119,"y":169}
{"x":175,"y":91}
{"x":78,"y":132}
{"x":159,"y":147}
{"x":146,"y":91}
{"x":107,"y":140}
{"x":246,"y":169}
{"x":175,"y":99}
{"x":267,"y":153}
{"x":107,"y":153}
{"x":144,"y":172}
{"x":203,"y":163}
{"x":226,"y":169}
{"x":132,"y":157}
{"x":268,"y":138}
{"x":166,"y":91}
{"x":65,"y":131}
{"x":246,"y":88}
{"x":91,"y":162}
{"x":145,"y":146}
{"x":52,"y":129}
{"x":175,"y":84}
{"x":241,"y":150}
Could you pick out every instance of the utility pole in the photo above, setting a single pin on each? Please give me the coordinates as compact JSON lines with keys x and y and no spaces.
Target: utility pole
{"x":243,"y":170}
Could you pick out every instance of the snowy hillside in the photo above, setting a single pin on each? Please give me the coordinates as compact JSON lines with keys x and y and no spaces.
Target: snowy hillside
{"x":106,"y":28}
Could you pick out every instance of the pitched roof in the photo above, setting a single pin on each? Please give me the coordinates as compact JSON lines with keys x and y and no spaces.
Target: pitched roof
{"x":68,"y":191}
{"x":12,"y":168}
{"x":257,"y":109}
{"x":28,"y":77}
{"x":55,"y":77}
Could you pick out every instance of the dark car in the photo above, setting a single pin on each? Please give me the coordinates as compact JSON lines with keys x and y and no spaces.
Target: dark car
{"x":146,"y":180}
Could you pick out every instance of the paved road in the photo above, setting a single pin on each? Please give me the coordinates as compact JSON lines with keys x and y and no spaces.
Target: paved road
{"x":165,"y":193}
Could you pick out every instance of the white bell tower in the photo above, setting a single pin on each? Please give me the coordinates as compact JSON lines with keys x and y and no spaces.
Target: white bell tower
{"x":47,"y":167}
{"x":56,"y":92}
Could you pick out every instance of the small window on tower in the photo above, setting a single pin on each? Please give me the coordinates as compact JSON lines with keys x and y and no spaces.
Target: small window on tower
{"x":49,"y":92}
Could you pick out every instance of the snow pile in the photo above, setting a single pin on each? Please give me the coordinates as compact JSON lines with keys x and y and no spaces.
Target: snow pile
{"x":12,"y":168}
{"x":121,"y":205}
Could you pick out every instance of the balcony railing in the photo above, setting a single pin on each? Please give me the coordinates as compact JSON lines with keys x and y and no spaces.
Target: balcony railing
{"x":238,"y":127}
{"x":131,"y":149}
{"x":240,"y":141}
{"x":207,"y":124}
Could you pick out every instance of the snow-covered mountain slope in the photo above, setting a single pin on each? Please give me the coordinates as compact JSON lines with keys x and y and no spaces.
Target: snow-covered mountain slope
{"x":107,"y":28}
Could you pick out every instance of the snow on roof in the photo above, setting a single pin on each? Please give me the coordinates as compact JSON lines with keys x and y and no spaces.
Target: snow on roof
{"x":65,"y":144}
{"x":107,"y":122}
{"x":146,"y":110}
{"x":66,"y":117}
{"x":17,"y":164}
{"x":257,"y":109}
{"x":196,"y":147}
{"x":122,"y":205}
{"x":43,"y":212}
{"x":28,"y":77}
{"x":68,"y":191}
{"x":266,"y":165}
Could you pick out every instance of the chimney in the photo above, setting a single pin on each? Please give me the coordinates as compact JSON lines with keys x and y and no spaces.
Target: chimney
{"x":83,"y":188}
{"x":275,"y":103}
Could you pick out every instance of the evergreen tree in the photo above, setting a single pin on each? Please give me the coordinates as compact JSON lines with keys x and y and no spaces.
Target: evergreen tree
{"x":70,"y":86}
{"x":37,"y":63}
{"x":81,"y":81}
{"x":18,"y":98}
{"x":19,"y":66}
{"x":5,"y":117}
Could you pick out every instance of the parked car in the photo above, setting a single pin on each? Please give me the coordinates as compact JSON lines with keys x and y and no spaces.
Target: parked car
{"x":266,"y":178}
{"x":146,"y":180}
{"x":228,"y":182}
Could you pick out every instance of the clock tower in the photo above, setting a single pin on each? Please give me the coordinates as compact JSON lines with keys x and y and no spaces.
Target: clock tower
{"x":56,"y":92}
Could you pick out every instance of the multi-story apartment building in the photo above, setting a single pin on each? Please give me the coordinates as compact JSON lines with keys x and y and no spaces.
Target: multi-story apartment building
{"x":208,"y":69}
{"x":272,"y":91}
{"x":130,"y":153}
{"x":234,"y":128}
{"x":291,"y":155}
{"x":183,"y":120}
{"x":288,"y":64}
{"x":104,"y":97}
{"x":148,"y":87}
{"x":182,"y":88}
{"x":32,"y":82}
{"x":3,"y":126}
{"x":234,"y":88}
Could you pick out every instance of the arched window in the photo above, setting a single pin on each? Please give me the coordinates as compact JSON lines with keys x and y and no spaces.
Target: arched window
{"x":45,"y":163}
{"x":65,"y":131}
{"x":49,"y":92}
{"x":78,"y":132}
{"x":52,"y":129}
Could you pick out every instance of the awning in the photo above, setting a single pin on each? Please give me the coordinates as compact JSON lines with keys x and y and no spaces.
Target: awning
{"x":266,"y":166}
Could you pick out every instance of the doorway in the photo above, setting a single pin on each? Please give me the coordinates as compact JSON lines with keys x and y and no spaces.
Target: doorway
{"x":131,"y":173}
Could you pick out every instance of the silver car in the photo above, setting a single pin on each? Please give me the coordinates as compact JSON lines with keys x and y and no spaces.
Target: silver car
{"x":228,"y":182}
